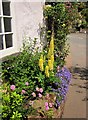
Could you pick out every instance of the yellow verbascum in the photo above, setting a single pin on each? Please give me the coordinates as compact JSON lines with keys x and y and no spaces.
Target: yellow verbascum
{"x":52,"y":45}
{"x":41,"y":64}
{"x":52,"y":58}
{"x":50,"y":65}
{"x":41,"y":57}
{"x":47,"y":71}
{"x":49,"y":53}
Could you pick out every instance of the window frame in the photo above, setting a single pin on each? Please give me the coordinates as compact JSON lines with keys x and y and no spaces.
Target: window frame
{"x":3,"y":33}
{"x":15,"y":47}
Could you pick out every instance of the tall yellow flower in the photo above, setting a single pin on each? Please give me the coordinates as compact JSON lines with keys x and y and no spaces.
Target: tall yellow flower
{"x":50,"y":65}
{"x":52,"y":45}
{"x":41,"y":64}
{"x":52,"y":58}
{"x":49,"y":53}
{"x":47,"y":71}
{"x":41,"y":57}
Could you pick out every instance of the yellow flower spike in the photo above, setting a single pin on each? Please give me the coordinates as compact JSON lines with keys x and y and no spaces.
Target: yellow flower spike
{"x":49,"y":53}
{"x":50,"y":65}
{"x":52,"y":45}
{"x":52,"y":58}
{"x":41,"y":57}
{"x":41,"y":64}
{"x":47,"y":71}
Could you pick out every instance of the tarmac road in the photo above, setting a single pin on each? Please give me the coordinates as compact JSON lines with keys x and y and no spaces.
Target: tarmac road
{"x":78,"y":46}
{"x":75,"y":106}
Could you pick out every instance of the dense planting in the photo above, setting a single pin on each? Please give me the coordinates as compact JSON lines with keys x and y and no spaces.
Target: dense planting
{"x":29,"y":77}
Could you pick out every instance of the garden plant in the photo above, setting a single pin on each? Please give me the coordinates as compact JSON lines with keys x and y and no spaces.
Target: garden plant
{"x":33,"y":85}
{"x":35,"y":82}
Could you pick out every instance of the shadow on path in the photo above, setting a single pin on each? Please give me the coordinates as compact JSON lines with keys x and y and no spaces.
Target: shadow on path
{"x":82,"y":75}
{"x":82,"y":72}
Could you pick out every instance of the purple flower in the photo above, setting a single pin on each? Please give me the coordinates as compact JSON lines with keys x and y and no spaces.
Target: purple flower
{"x":26,"y":83}
{"x":23,"y":91}
{"x":12,"y":87}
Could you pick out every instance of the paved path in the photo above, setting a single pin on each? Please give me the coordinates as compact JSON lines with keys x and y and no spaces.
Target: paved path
{"x":75,"y":106}
{"x":77,"y":49}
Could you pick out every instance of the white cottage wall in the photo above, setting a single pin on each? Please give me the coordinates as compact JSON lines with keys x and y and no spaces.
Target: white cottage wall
{"x":26,"y":19}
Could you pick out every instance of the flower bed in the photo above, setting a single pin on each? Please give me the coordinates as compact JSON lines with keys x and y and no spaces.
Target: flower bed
{"x":33,"y":85}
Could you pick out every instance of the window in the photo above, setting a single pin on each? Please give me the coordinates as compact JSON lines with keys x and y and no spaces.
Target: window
{"x":6,"y":34}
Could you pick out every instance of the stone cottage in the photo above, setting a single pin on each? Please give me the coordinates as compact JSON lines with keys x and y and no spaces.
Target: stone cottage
{"x":17,"y":20}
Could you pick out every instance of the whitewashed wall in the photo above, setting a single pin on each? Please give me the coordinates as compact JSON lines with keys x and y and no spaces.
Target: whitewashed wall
{"x":27,"y":17}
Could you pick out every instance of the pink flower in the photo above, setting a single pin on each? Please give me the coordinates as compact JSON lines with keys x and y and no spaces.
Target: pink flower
{"x":50,"y":105}
{"x":41,"y":90}
{"x":23,"y":92}
{"x":33,"y":94}
{"x":46,"y":104}
{"x":37,"y":89}
{"x":26,"y":83}
{"x":40,"y":95}
{"x":58,"y":68}
{"x":47,"y":107}
{"x":12,"y":87}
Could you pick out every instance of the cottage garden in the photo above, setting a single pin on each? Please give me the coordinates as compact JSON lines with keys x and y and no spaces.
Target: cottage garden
{"x":35,"y":83}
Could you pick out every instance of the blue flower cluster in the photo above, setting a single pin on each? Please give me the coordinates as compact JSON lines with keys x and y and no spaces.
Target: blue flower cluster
{"x":61,"y":88}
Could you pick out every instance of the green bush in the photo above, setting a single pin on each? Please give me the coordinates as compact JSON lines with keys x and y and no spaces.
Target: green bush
{"x":57,"y":22}
{"x":23,"y":73}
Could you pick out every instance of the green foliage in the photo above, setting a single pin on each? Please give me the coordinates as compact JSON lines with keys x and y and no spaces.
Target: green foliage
{"x":11,"y":104}
{"x":17,"y":70}
{"x":61,"y":18}
{"x":56,"y":19}
{"x":50,"y":114}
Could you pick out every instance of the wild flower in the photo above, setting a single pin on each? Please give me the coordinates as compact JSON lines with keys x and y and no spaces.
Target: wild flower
{"x":40,"y":90}
{"x":40,"y":95}
{"x":47,"y":107}
{"x":41,"y":64}
{"x":47,"y":71}
{"x":26,"y":83}
{"x":58,"y":68}
{"x":37,"y":89}
{"x":50,"y":105}
{"x":12,"y":87}
{"x":33,"y":94}
{"x":50,"y":64}
{"x":52,"y":58}
{"x":46,"y":104}
{"x":52,"y":45}
{"x":23,"y":92}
